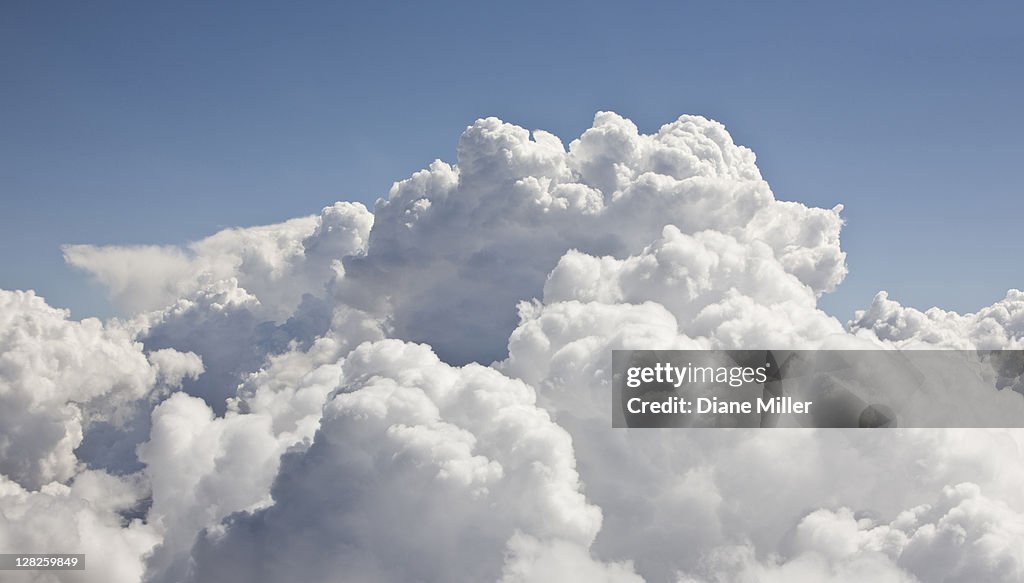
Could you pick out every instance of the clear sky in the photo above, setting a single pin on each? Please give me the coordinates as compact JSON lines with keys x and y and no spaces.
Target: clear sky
{"x":138,"y":122}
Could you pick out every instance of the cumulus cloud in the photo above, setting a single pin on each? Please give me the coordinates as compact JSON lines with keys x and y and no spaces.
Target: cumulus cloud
{"x":709,"y":494}
{"x":999,"y":326}
{"x":277,"y":264}
{"x":57,"y":376}
{"x":671,"y":498}
{"x":341,"y":426}
{"x":724,"y":497}
{"x":964,"y":536}
{"x":200,"y":469}
{"x":472,"y":240}
{"x":203,"y":467}
{"x":60,"y":380}
{"x":143,"y":277}
{"x":718,"y":288}
{"x":416,"y":462}
{"x":85,"y":517}
{"x":235,"y":297}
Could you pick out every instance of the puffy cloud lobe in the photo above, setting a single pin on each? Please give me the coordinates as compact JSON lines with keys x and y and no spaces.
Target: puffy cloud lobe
{"x":717,"y":287}
{"x":530,"y":560}
{"x":87,"y":517}
{"x":248,"y":293}
{"x":966,"y":536}
{"x":293,"y":386}
{"x":58,"y":375}
{"x":174,"y":367}
{"x":707,"y":290}
{"x":999,"y":326}
{"x":200,"y":469}
{"x":276,"y":409}
{"x":220,"y":323}
{"x":472,"y":240}
{"x":277,"y":264}
{"x":203,"y":467}
{"x":237,"y":296}
{"x":996,"y":327}
{"x":417,"y":462}
{"x":564,"y":350}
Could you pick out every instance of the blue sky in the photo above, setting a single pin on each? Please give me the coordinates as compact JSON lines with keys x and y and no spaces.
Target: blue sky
{"x":162,"y":123}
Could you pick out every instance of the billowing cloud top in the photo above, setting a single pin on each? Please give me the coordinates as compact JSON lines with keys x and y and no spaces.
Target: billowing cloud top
{"x":421,"y":393}
{"x":472,"y":240}
{"x":56,"y":375}
{"x":1000,"y":325}
{"x":277,"y":264}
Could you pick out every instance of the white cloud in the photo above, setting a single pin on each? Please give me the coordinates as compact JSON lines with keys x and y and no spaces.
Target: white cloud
{"x":417,"y":462}
{"x":83,"y":517}
{"x":964,"y":537}
{"x":201,"y":468}
{"x":739,"y":564}
{"x":277,"y":264}
{"x":138,"y":278}
{"x":57,"y":376}
{"x":999,"y":326}
{"x":672,"y":499}
{"x":318,"y":446}
{"x":530,"y":560}
{"x":731,"y":293}
{"x":236,"y":297}
{"x":472,"y":240}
